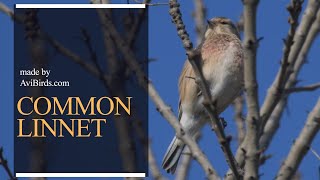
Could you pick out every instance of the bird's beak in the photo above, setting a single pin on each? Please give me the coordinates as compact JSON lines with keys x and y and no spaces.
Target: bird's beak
{"x":210,"y":23}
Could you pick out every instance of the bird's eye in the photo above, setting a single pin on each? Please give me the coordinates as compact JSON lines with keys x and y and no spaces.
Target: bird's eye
{"x":224,"y":22}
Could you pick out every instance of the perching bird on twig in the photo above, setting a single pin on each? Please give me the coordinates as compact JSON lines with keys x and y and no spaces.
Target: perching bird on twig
{"x":222,"y":66}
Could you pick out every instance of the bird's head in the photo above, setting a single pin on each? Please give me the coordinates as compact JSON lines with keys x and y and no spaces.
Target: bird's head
{"x":221,"y":25}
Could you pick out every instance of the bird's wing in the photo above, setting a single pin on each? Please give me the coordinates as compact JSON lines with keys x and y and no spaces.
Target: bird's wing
{"x":185,"y":79}
{"x":188,"y":89}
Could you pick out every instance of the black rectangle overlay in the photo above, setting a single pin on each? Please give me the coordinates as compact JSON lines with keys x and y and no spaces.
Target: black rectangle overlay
{"x":88,"y":114}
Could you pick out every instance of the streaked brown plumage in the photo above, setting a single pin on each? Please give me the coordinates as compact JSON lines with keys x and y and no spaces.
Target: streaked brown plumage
{"x":222,"y":63}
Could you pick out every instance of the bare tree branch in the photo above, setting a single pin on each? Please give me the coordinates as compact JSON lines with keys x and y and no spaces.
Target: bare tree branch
{"x":199,"y":15}
{"x":272,"y":125}
{"x":114,"y":67}
{"x":38,"y":60}
{"x":10,"y":13}
{"x":138,"y":126}
{"x":93,"y":55}
{"x":4,"y":164}
{"x":264,"y":158}
{"x":304,"y":28}
{"x":289,"y":58}
{"x":238,"y":117}
{"x":66,"y":52}
{"x":136,"y":26}
{"x":276,"y":90}
{"x":164,"y":109}
{"x":153,"y":166}
{"x":250,"y":44}
{"x":311,"y":87}
{"x":161,"y":106}
{"x":6,"y":10}
{"x":116,"y":87}
{"x":294,"y":9}
{"x":301,"y":145}
{"x":194,"y":58}
{"x":184,"y":167}
{"x":297,"y":176}
{"x":74,"y":57}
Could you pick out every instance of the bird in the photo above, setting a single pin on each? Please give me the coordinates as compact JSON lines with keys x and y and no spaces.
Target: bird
{"x":222,"y":64}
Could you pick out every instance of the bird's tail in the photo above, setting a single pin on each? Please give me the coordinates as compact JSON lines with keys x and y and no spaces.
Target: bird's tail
{"x":171,"y":158}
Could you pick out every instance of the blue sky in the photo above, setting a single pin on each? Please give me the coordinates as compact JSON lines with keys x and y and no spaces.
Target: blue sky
{"x":166,"y":48}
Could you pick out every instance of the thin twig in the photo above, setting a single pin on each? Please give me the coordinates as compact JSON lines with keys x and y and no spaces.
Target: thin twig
{"x":264,"y":158}
{"x":301,"y":144}
{"x":10,"y":13}
{"x":135,"y":28}
{"x":4,"y":164}
{"x":137,"y":25}
{"x":294,"y":9}
{"x":93,"y":55}
{"x":74,"y":57}
{"x":240,"y":23}
{"x":6,"y":10}
{"x":311,"y":87}
{"x":194,"y":58}
{"x":59,"y":47}
{"x":315,"y":153}
{"x":200,"y":14}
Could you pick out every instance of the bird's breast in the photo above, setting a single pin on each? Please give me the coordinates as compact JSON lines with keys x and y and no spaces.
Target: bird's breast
{"x":222,"y":61}
{"x":228,"y":54}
